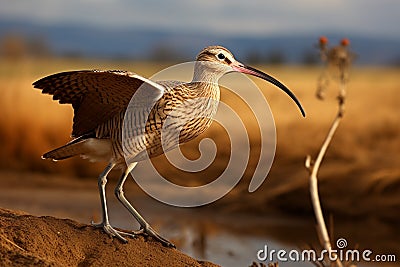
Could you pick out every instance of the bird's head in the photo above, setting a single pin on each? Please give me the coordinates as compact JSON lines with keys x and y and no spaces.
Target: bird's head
{"x":222,"y":61}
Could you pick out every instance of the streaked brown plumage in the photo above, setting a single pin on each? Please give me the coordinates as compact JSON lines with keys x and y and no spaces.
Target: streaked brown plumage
{"x":100,"y":101}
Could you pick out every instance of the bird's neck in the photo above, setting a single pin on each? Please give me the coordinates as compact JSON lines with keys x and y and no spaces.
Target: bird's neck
{"x":205,"y":87}
{"x":207,"y":72}
{"x":205,"y":77}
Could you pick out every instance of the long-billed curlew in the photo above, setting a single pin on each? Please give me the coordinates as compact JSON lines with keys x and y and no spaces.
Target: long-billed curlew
{"x":100,"y":100}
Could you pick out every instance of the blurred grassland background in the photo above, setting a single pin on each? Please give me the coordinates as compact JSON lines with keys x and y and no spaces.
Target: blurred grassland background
{"x":362,"y":161}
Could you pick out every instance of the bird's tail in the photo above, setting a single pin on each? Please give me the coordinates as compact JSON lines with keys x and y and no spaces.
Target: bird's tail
{"x":66,"y":151}
{"x":93,"y":149}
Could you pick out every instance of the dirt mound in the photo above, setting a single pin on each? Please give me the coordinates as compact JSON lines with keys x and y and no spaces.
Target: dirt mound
{"x":27,"y":240}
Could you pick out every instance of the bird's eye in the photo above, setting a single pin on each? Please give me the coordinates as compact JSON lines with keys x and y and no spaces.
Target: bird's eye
{"x":221,"y":56}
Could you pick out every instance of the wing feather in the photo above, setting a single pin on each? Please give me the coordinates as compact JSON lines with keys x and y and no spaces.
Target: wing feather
{"x":96,"y":96}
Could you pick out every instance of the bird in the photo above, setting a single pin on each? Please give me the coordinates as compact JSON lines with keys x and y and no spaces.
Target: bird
{"x":100,"y":100}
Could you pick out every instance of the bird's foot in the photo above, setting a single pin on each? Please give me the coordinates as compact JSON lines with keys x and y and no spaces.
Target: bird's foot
{"x":151,"y":232}
{"x":146,"y":231}
{"x":113,"y":232}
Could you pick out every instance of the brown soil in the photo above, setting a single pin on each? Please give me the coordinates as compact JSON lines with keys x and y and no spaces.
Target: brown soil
{"x":27,"y":240}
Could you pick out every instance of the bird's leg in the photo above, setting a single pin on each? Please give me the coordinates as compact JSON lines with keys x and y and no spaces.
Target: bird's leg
{"x":105,"y":224}
{"x":145,"y":226}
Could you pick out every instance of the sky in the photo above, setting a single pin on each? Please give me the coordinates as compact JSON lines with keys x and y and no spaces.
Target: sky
{"x":372,"y":18}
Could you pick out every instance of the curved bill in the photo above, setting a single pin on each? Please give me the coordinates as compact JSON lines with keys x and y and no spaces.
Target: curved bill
{"x":252,"y":71}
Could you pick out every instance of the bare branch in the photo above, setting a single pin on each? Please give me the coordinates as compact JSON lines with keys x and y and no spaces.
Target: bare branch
{"x":339,"y":57}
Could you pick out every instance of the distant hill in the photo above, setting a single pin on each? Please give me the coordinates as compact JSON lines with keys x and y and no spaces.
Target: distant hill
{"x":91,"y":41}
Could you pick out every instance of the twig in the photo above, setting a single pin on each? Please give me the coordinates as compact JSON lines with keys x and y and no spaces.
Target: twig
{"x":314,"y":187}
{"x":313,"y":165}
{"x":12,"y":243}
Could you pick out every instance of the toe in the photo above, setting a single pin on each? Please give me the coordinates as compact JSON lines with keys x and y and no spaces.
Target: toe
{"x":151,"y":232}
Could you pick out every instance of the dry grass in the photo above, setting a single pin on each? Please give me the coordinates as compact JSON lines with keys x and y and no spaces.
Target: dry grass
{"x":364,"y":153}
{"x":368,"y":136}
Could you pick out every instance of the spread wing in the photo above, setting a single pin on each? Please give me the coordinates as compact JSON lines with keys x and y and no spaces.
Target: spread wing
{"x":96,"y":96}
